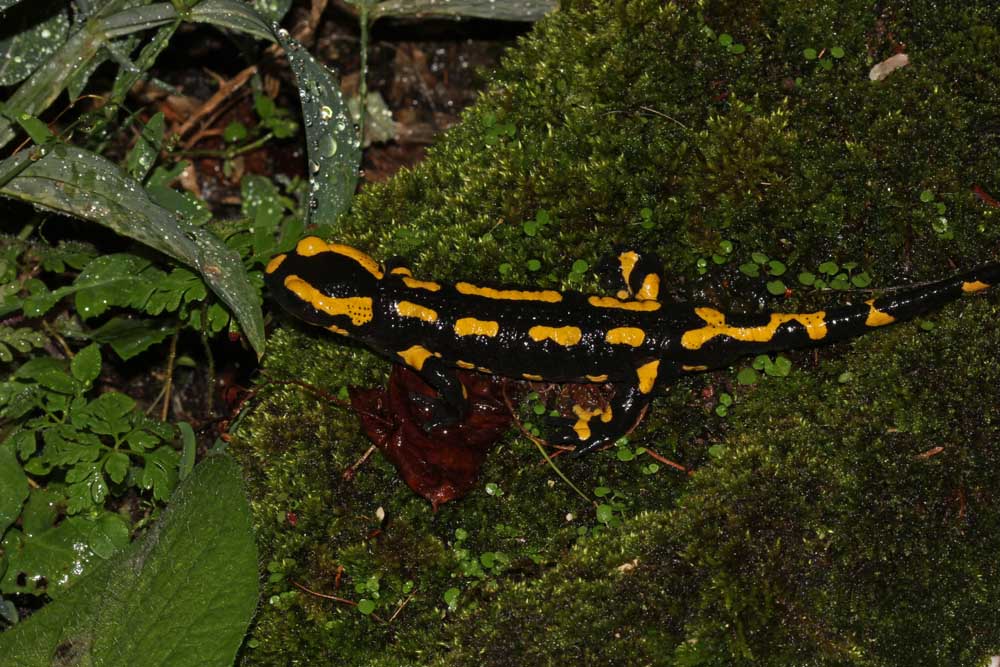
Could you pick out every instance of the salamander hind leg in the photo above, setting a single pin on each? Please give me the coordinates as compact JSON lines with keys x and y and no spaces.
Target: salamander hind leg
{"x":591,"y":428}
{"x":629,"y":274}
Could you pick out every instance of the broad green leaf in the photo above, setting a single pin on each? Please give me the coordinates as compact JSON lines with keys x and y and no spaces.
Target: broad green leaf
{"x":331,"y":138}
{"x":238,"y":16}
{"x":50,"y":561}
{"x":135,"y":19}
{"x":86,"y":365}
{"x":80,"y":183}
{"x":130,"y":337}
{"x":183,"y":595}
{"x":498,"y":10}
{"x":41,"y":511}
{"x":77,"y":54}
{"x":13,"y":486}
{"x":272,"y":10}
{"x":32,"y":35}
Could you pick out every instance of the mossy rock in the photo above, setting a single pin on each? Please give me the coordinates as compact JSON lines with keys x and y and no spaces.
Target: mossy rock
{"x":848,"y":513}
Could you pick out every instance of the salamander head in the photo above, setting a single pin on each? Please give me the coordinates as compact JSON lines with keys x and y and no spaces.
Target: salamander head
{"x":326,"y":284}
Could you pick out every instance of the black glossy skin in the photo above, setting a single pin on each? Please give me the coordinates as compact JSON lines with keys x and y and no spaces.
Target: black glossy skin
{"x":631,"y":340}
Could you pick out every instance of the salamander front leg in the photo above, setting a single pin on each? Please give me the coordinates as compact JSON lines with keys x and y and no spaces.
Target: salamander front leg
{"x":452,"y":404}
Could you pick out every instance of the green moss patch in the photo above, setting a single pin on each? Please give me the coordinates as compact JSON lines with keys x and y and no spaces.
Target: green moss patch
{"x":843,"y":513}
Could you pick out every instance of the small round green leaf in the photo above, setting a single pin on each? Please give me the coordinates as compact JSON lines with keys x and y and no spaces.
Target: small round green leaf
{"x":776,"y":287}
{"x":747,"y":376}
{"x":366,"y":606}
{"x":809,"y":54}
{"x":863,"y":279}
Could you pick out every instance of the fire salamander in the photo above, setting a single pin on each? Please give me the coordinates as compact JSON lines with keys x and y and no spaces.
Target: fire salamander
{"x":631,"y":339}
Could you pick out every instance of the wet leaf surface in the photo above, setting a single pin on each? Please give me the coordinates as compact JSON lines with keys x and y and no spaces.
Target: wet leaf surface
{"x":331,"y":137}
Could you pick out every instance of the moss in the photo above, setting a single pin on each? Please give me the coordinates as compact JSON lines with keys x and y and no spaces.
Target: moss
{"x":825,"y":533}
{"x":861,"y":514}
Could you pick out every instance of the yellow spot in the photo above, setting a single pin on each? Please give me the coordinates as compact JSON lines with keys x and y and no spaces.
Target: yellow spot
{"x":401,"y":271}
{"x":312,"y":245}
{"x":715,"y":322}
{"x":647,"y":376}
{"x":627,"y":261}
{"x":622,"y":294}
{"x":464,"y":364}
{"x":975,"y":286}
{"x":470,"y":326}
{"x":583,"y":417}
{"x":625,"y":336}
{"x":407,"y":309}
{"x":483,"y":369}
{"x":876,"y":318}
{"x":275,"y":262}
{"x":694,"y":368}
{"x":358,"y":308}
{"x":532,"y":377}
{"x":597,"y":378}
{"x":551,"y":296}
{"x":611,"y":302}
{"x":421,"y":284}
{"x":416,"y":356}
{"x":650,"y":289}
{"x":564,"y":336}
{"x":337,"y":330}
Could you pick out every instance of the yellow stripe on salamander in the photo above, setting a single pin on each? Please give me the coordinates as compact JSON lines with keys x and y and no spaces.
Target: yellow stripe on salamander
{"x":275,"y":262}
{"x":313,"y":245}
{"x":420,"y":284}
{"x":550,"y":296}
{"x":470,"y":326}
{"x":715,"y":325}
{"x":611,"y":302}
{"x":876,"y":318}
{"x":974,"y":286}
{"x":416,"y":356}
{"x":564,"y":336}
{"x":625,"y":336}
{"x":647,"y":376}
{"x":408,"y":309}
{"x":358,"y":308}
